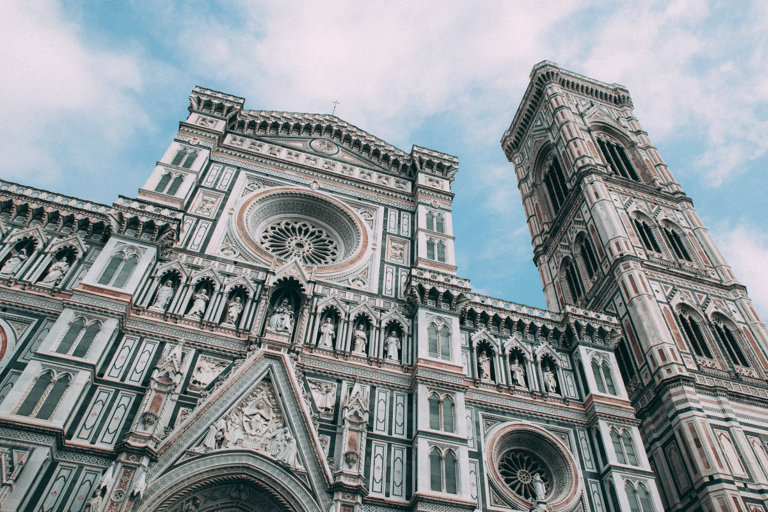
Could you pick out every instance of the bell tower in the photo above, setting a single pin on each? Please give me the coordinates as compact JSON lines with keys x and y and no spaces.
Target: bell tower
{"x":612,"y":231}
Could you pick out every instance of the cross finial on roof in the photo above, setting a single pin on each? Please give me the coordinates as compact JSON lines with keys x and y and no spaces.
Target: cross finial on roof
{"x":334,"y":107}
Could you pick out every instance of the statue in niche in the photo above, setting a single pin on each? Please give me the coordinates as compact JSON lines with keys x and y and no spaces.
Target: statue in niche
{"x":234,"y":307}
{"x":282,"y":318}
{"x":518,"y":373}
{"x":56,"y":273}
{"x":93,"y":504}
{"x":328,"y":333}
{"x":14,"y":263}
{"x":360,"y":339}
{"x":164,"y":296}
{"x":539,"y":488}
{"x":200,"y":303}
{"x":215,"y":437}
{"x":485,"y":366}
{"x":393,"y":346}
{"x":324,"y":393}
{"x":550,"y":381}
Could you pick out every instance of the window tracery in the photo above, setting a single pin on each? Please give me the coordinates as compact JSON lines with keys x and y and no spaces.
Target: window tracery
{"x":694,"y":333}
{"x":442,"y":468}
{"x":79,"y":337}
{"x":646,"y":233}
{"x":441,"y":413}
{"x":638,"y":496}
{"x":555,"y":183}
{"x":603,"y":377}
{"x":616,"y":156}
{"x":730,"y":341}
{"x":676,"y":242}
{"x":44,"y":396}
{"x":120,"y":268}
{"x":185,"y":155}
{"x":623,"y":446}
{"x":439,"y":339}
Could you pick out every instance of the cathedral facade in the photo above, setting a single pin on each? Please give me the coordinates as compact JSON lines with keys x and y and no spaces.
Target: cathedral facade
{"x":275,"y":322}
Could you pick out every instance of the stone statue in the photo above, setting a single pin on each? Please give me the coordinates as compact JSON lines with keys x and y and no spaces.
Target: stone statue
{"x":360,"y":339}
{"x":164,"y":296}
{"x":215,"y":437}
{"x":93,"y":504}
{"x":234,"y":307}
{"x":14,"y":263}
{"x":201,"y":302}
{"x":324,"y":394}
{"x":518,"y":373}
{"x":328,"y":333}
{"x":485,"y":366}
{"x":56,"y":273}
{"x":550,"y":381}
{"x":393,"y":347}
{"x":282,"y":318}
{"x":289,"y":450}
{"x":539,"y":488}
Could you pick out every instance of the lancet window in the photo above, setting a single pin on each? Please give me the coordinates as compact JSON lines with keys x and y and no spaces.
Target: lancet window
{"x":554,"y":180}
{"x":623,"y":446}
{"x":676,"y":243}
{"x":616,"y":156}
{"x":588,"y":256}
{"x":441,"y":413}
{"x":185,"y":158}
{"x":45,"y":395}
{"x":603,"y":377}
{"x":442,"y":470}
{"x":646,"y":235}
{"x":78,"y":338}
{"x":162,"y":185}
{"x":573,"y":279}
{"x":731,"y":344}
{"x":695,"y":335}
{"x":435,"y":222}
{"x":638,"y":497}
{"x":624,"y":360}
{"x":439,"y":342}
{"x":119,"y":269}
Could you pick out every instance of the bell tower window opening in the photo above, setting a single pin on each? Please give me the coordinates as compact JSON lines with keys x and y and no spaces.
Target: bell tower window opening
{"x":616,"y":156}
{"x":554,"y":180}
{"x":646,"y":235}
{"x":676,"y":243}
{"x":588,"y":255}
{"x":624,"y":361}
{"x":695,"y":335}
{"x":731,"y":345}
{"x":574,"y":280}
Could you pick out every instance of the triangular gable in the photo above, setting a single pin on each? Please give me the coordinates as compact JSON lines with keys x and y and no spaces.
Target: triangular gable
{"x":394,"y":315}
{"x":207,"y":272}
{"x":71,"y":241}
{"x":34,"y":232}
{"x":172,"y":265}
{"x":261,"y":396}
{"x":239,"y":280}
{"x":332,"y":301}
{"x":363,"y":308}
{"x":294,"y":270}
{"x":484,"y":335}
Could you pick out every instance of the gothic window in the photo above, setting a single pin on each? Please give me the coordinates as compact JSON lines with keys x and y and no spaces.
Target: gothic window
{"x":78,"y":338}
{"x":175,"y":184}
{"x":431,"y":249}
{"x":639,"y":498}
{"x":625,"y":362}
{"x":440,"y":251}
{"x":731,"y":344}
{"x":434,"y":412}
{"x":441,"y":413}
{"x":439,"y":342}
{"x":573,"y":279}
{"x":603,"y":378}
{"x":44,"y":397}
{"x":430,"y":221}
{"x":616,"y":156}
{"x":163,"y":183}
{"x":190,"y":159}
{"x":439,"y":227}
{"x":119,"y":269}
{"x":554,"y":180}
{"x":448,"y":414}
{"x":442,"y":469}
{"x":676,"y":243}
{"x":695,"y":335}
{"x":623,"y":446}
{"x":646,"y":235}
{"x":179,"y":156}
{"x":588,"y":255}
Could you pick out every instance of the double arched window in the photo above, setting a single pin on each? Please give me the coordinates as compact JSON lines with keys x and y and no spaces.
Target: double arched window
{"x":557,"y":187}
{"x":44,"y":397}
{"x":623,"y":446}
{"x":616,"y":156}
{"x":603,"y":377}
{"x":695,"y":334}
{"x":439,"y":246}
{"x":439,"y":341}
{"x":442,"y":470}
{"x":78,"y":338}
{"x":441,"y":413}
{"x":119,"y":269}
{"x":639,"y":498}
{"x":185,"y":158}
{"x":435,"y":222}
{"x":729,"y":341}
{"x":676,"y":242}
{"x":645,"y":231}
{"x":163,"y":185}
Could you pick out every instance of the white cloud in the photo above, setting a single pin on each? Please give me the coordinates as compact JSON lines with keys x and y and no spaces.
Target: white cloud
{"x":745,"y":248}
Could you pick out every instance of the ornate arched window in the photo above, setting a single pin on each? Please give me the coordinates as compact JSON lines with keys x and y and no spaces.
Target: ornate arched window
{"x":616,"y":156}
{"x":639,"y":498}
{"x":430,"y":249}
{"x":119,"y":269}
{"x":729,"y":340}
{"x":556,"y":184}
{"x":180,"y":154}
{"x":603,"y":377}
{"x":439,"y":224}
{"x":177,"y":181}
{"x":623,"y":446}
{"x":442,"y":469}
{"x":190,"y":159}
{"x":588,"y":256}
{"x":448,"y":414}
{"x":645,"y":231}
{"x":440,"y":251}
{"x":434,"y":412}
{"x":436,"y":470}
{"x":624,"y":360}
{"x":430,"y":221}
{"x":676,"y":243}
{"x":45,"y":395}
{"x":163,"y":183}
{"x":78,"y":338}
{"x":441,"y":413}
{"x":694,"y":334}
{"x":573,"y":279}
{"x":439,"y":341}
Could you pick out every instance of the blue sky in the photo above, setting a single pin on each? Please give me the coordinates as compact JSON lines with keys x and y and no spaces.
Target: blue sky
{"x":94,"y":92}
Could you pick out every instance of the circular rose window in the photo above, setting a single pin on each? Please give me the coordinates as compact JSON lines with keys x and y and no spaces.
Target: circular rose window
{"x":517,"y":452}
{"x":302,"y":225}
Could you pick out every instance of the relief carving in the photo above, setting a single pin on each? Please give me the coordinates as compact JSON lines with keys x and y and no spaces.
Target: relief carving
{"x":324,"y":393}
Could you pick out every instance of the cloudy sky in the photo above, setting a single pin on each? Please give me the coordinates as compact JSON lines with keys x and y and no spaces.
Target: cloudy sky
{"x":93,"y":93}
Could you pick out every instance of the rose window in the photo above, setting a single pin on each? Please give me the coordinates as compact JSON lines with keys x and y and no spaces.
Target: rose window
{"x":296,"y":239}
{"x":517,"y":470}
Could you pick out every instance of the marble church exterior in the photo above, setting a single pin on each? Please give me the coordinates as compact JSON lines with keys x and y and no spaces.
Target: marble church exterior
{"x":275,"y":322}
